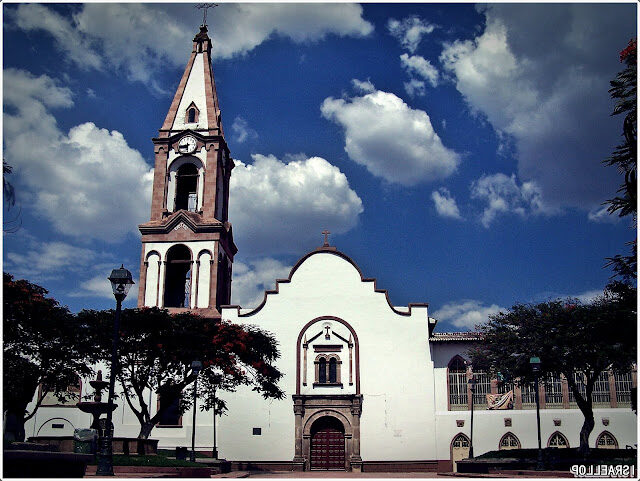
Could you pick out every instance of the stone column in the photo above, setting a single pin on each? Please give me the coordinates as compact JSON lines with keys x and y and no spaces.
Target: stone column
{"x":356,"y":411}
{"x":298,"y":411}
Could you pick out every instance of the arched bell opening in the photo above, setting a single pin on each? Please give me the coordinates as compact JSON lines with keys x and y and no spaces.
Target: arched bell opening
{"x":177,"y":290}
{"x":187,"y":188}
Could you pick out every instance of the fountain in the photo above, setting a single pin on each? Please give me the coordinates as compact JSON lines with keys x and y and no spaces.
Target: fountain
{"x":96,"y":407}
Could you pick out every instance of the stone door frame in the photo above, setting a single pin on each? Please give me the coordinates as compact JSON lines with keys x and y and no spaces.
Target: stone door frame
{"x":346,"y":408}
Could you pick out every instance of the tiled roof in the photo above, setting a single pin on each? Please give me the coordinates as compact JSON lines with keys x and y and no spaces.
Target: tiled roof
{"x":455,"y":336}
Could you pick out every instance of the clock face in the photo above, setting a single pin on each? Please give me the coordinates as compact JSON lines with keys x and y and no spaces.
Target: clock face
{"x":187,"y":144}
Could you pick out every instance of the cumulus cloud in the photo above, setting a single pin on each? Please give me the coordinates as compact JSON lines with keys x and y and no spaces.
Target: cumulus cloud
{"x":87,"y":183}
{"x":125,"y":35}
{"x":549,"y":95}
{"x":415,"y":88}
{"x":445,"y":204}
{"x":418,"y":66}
{"x":409,"y":31}
{"x":466,"y":314}
{"x":390,"y":139}
{"x":281,"y":207}
{"x":502,"y":194}
{"x":251,"y":279}
{"x":241,"y":130}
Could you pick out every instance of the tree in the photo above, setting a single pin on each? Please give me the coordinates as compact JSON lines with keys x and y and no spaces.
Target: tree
{"x":624,"y":158}
{"x":43,"y":347}
{"x":568,"y":337}
{"x":157,"y":348}
{"x":9,"y":195}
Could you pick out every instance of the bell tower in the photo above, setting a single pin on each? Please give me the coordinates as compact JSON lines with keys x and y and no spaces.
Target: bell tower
{"x":187,"y":245}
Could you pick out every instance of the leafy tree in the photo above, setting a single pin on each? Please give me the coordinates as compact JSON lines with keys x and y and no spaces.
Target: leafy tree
{"x":43,"y":346}
{"x":157,"y":348}
{"x":568,"y":337}
{"x":9,"y":194}
{"x":624,"y":158}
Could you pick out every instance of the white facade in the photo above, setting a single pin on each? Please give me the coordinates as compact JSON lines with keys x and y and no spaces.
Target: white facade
{"x":386,"y":355}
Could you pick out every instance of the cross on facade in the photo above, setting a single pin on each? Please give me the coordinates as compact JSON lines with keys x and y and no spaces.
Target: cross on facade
{"x":204,"y":7}
{"x":327,"y":336}
{"x":326,"y":233}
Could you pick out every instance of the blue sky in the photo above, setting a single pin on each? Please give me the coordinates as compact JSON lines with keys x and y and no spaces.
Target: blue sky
{"x":453,"y":150}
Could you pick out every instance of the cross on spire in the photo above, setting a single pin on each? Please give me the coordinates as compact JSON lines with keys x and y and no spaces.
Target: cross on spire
{"x":204,"y":7}
{"x":326,"y":233}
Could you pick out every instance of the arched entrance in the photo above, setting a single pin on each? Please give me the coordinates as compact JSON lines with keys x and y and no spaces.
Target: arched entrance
{"x":459,"y":450}
{"x":327,"y":444}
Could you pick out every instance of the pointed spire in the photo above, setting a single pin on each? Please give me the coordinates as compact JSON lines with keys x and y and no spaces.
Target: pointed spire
{"x":195,"y":103}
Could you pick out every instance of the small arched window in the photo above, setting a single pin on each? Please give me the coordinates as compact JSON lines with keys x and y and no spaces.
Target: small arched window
{"x":509,"y":441}
{"x":606,"y":440}
{"x":187,"y":188}
{"x":333,"y":364}
{"x":558,"y":440}
{"x":322,"y":370}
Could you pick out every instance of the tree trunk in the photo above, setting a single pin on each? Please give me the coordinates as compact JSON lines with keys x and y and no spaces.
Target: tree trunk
{"x":14,"y":425}
{"x":585,"y":432}
{"x":145,"y":430}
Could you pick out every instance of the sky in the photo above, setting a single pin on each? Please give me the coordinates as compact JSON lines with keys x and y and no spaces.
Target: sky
{"x":454,"y":151}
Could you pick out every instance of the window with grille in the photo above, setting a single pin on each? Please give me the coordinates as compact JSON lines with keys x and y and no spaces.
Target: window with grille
{"x":458,"y":399}
{"x":601,"y":395}
{"x":528,"y":391}
{"x":553,"y":391}
{"x":328,"y":370}
{"x":579,"y":380}
{"x":460,"y":441}
{"x":483,"y":387}
{"x":558,"y":440}
{"x":509,"y":441}
{"x":624,"y":384}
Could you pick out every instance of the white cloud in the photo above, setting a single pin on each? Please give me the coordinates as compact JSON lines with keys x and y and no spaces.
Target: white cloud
{"x":600,"y":215}
{"x":49,"y":260}
{"x":126,"y":35}
{"x":540,"y":74}
{"x":390,"y":139}
{"x":251,"y":279}
{"x":99,"y":286}
{"x":279,"y":207}
{"x":241,"y":130}
{"x":466,"y":314}
{"x":88,"y":182}
{"x":415,"y":88}
{"x":445,"y":204}
{"x":363,"y":86}
{"x":503,"y":195}
{"x":416,"y":65}
{"x":67,"y":37}
{"x":409,"y":31}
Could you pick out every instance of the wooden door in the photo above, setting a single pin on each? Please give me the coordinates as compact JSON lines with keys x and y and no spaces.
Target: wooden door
{"x":327,"y":446}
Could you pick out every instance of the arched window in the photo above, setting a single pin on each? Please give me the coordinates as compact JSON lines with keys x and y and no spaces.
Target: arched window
{"x":333,"y":364}
{"x":606,"y":440}
{"x":557,"y":440}
{"x":328,"y":370}
{"x":458,"y":399}
{"x":509,"y":441}
{"x":322,"y":370}
{"x":191,"y":115}
{"x":177,"y":286}
{"x":187,"y":188}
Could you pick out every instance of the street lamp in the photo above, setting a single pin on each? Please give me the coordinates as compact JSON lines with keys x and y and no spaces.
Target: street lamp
{"x":472,"y":385}
{"x":195,"y":367}
{"x":535,"y":367}
{"x":121,"y":282}
{"x":215,"y":446}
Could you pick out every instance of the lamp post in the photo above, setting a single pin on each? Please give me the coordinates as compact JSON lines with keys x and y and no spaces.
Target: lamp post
{"x":215,"y":446}
{"x":472,"y":385}
{"x":121,"y":282}
{"x":535,"y":367}
{"x":195,"y":367}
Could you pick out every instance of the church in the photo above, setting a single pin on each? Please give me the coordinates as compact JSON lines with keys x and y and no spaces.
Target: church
{"x":369,"y":386}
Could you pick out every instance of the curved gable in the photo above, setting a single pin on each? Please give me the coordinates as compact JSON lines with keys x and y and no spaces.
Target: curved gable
{"x":327,"y":268}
